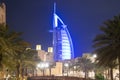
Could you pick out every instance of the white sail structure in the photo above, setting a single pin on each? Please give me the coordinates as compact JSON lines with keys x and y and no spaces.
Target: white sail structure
{"x":62,"y":42}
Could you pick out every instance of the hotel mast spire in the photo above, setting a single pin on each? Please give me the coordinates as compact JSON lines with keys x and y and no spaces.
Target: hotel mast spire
{"x":54,"y":7}
{"x":62,"y":42}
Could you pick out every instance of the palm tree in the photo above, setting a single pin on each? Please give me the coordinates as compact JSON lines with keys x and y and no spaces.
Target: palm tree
{"x":24,"y":60}
{"x":112,"y":65}
{"x":13,"y":51}
{"x":3,"y":42}
{"x":85,"y":65}
{"x":7,"y":43}
{"x":100,"y":71}
{"x":107,"y":44}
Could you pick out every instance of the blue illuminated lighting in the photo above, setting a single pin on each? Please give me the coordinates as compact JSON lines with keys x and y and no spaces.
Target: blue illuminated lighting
{"x":62,"y":42}
{"x":66,"y":51}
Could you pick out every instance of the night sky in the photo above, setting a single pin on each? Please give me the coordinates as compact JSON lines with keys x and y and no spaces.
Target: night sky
{"x":82,"y":17}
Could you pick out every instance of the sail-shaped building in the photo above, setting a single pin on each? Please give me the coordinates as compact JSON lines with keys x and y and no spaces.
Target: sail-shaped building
{"x":62,"y":42}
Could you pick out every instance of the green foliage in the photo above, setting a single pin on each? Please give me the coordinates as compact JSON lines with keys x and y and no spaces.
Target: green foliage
{"x":85,"y":64}
{"x":14,"y":54}
{"x":99,"y":77}
{"x":107,"y":44}
{"x":82,"y":64}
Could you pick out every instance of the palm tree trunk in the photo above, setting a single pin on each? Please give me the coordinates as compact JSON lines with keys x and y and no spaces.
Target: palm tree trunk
{"x":18,"y":72}
{"x":85,"y":75}
{"x":21,"y":72}
{"x":108,"y":72}
{"x":33,"y":72}
{"x":119,"y":66}
{"x":25,"y":71}
{"x":111,"y":73}
{"x":1,"y":61}
{"x":50,"y":71}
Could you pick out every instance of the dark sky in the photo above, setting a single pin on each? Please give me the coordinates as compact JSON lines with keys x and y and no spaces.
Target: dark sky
{"x":83,"y":18}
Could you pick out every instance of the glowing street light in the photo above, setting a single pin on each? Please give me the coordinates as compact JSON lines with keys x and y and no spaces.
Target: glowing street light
{"x":94,"y":55}
{"x":67,"y":66}
{"x":43,"y":66}
{"x":75,"y":68}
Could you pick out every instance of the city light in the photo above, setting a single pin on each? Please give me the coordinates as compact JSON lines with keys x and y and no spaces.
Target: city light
{"x":66,"y":65}
{"x":43,"y":66}
{"x":94,"y":55}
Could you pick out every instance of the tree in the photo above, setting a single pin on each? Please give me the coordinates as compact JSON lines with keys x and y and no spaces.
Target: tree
{"x":99,"y":72}
{"x":13,"y":53}
{"x":85,"y":65}
{"x":24,"y":60}
{"x":107,"y":44}
{"x":7,"y":43}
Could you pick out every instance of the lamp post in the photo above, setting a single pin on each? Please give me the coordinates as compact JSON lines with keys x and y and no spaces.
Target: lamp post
{"x":75,"y":70}
{"x":93,"y":58}
{"x":94,"y":55}
{"x":43,"y":66}
{"x":66,"y":66}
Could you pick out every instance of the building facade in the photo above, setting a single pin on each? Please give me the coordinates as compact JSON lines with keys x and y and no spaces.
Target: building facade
{"x":49,"y":55}
{"x":45,"y":56}
{"x":62,"y":42}
{"x":2,"y":13}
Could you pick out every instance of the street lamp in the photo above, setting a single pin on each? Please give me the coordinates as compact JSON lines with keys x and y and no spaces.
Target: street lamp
{"x":94,"y":55}
{"x":43,"y":66}
{"x":75,"y":69}
{"x":67,"y":66}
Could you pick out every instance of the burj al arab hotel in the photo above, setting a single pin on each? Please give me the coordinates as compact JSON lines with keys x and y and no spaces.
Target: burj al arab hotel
{"x":62,"y":42}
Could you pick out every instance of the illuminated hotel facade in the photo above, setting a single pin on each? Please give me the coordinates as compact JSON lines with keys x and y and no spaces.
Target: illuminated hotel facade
{"x":62,"y":42}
